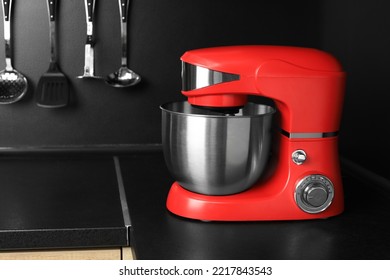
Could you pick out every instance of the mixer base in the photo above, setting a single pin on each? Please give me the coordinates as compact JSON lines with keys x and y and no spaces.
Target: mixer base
{"x":275,"y":197}
{"x":251,"y":205}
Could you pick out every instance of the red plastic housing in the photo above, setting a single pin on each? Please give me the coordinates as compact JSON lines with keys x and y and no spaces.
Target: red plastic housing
{"x":306,"y":84}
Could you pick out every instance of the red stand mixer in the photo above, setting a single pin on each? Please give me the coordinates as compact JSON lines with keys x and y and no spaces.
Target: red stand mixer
{"x":300,"y":179}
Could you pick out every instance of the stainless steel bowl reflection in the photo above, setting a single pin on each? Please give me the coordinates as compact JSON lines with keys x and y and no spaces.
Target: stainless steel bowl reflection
{"x":212,"y":153}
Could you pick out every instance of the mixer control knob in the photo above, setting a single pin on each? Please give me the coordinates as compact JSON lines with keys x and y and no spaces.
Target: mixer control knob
{"x":299,"y":157}
{"x":314,"y":193}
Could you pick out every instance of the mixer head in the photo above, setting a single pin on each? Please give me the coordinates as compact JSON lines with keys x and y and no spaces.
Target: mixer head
{"x":306,"y":84}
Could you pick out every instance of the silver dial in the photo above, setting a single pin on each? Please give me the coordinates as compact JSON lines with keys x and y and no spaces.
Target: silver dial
{"x":314,"y":193}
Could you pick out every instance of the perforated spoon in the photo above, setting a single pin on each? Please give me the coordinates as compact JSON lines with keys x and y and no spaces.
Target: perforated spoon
{"x":13,"y":85}
{"x":124,"y":77}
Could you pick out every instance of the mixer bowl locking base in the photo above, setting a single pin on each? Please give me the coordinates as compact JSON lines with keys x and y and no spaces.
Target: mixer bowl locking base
{"x":275,"y":198}
{"x":246,"y":206}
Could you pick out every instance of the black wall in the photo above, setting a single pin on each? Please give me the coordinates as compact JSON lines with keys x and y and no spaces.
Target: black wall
{"x":357,"y":32}
{"x":159,"y":33}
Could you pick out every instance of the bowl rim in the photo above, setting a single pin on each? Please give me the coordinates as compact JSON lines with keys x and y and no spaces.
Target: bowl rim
{"x":271,"y":112}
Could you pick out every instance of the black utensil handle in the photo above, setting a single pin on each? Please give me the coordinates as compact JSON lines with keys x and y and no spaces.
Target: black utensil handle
{"x":52,"y":6}
{"x":89,"y":8}
{"x":7,"y":9}
{"x":123,"y":9}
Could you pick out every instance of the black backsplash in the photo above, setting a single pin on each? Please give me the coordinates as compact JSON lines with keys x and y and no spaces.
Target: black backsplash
{"x":357,"y":33}
{"x":160,"y":31}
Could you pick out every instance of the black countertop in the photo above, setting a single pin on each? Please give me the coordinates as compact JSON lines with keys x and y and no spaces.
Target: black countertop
{"x":59,"y":202}
{"x":81,"y":201}
{"x":361,"y":232}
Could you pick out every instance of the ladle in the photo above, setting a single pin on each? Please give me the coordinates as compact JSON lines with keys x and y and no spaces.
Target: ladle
{"x":13,"y":85}
{"x":124,"y":77}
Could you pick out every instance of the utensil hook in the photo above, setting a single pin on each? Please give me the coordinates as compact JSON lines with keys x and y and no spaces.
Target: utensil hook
{"x":7,"y":6}
{"x":123,"y":10}
{"x":52,"y":9}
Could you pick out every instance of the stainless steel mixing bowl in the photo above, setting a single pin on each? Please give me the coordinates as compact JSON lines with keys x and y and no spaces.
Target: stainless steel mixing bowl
{"x":212,"y":153}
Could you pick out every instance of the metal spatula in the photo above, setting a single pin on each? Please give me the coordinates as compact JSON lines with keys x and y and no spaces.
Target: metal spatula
{"x":53,"y":87}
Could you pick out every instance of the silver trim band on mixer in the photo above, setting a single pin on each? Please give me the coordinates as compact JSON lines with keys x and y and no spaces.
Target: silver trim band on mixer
{"x":194,"y":77}
{"x":306,"y":135}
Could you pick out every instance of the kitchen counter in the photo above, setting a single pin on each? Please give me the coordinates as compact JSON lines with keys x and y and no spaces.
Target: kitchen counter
{"x":97,"y":201}
{"x":60,"y":202}
{"x":361,"y":232}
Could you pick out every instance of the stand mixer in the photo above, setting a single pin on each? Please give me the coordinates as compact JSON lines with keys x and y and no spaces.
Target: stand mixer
{"x":218,"y":145}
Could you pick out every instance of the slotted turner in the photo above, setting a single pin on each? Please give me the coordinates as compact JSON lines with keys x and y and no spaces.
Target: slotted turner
{"x":53,"y":87}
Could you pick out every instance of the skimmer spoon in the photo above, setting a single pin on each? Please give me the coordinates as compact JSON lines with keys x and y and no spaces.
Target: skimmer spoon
{"x":13,"y":85}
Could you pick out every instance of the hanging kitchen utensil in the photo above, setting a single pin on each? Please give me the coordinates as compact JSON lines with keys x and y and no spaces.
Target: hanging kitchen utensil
{"x":124,"y":77}
{"x":89,"y":69}
{"x":13,"y":85}
{"x":53,"y":87}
